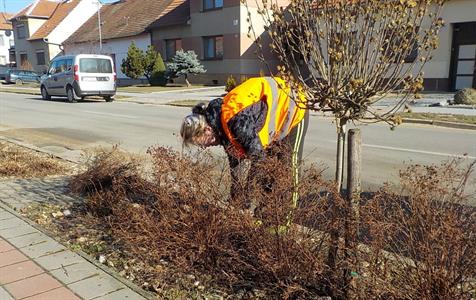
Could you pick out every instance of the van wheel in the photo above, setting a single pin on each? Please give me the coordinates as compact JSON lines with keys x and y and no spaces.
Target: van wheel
{"x":70,"y":94}
{"x":108,"y":98}
{"x":44,"y":94}
{"x":18,"y":82}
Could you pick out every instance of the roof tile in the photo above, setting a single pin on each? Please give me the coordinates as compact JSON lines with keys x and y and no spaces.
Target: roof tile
{"x":4,"y":23}
{"x":61,"y":12}
{"x":39,"y":9}
{"x":124,"y":18}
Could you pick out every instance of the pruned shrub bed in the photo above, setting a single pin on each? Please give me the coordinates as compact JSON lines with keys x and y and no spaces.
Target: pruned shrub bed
{"x":173,"y":230}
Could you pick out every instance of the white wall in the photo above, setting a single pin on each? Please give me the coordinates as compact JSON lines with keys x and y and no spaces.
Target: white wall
{"x":6,"y":45}
{"x":454,"y":11}
{"x":116,"y":46}
{"x":77,"y":17}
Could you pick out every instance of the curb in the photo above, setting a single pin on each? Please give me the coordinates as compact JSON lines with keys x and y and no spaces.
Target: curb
{"x":84,"y":255}
{"x":34,"y":148}
{"x":440,"y":123}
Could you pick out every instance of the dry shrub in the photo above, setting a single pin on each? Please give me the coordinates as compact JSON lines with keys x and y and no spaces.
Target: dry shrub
{"x":16,"y":161}
{"x":421,"y":241}
{"x":110,"y":173}
{"x":415,"y":244}
{"x":191,"y":222}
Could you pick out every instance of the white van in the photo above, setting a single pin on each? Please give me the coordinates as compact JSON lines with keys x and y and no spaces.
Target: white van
{"x":78,"y":76}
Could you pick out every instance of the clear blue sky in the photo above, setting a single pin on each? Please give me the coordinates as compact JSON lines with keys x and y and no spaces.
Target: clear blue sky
{"x":13,"y":6}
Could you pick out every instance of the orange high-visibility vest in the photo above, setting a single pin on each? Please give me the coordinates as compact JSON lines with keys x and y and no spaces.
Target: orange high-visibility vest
{"x":285,"y":109}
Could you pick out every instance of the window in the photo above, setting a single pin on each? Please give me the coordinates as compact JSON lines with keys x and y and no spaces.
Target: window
{"x":171,"y":47}
{"x":23,"y":59}
{"x":213,"y":47}
{"x":61,"y":66}
{"x":21,"y":32}
{"x":53,"y":66}
{"x":212,"y":4}
{"x":40,"y":58}
{"x":2,"y":40}
{"x":69,"y":64}
{"x":95,"y":65}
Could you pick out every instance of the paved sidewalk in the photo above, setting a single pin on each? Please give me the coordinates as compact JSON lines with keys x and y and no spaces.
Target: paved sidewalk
{"x":33,"y":266}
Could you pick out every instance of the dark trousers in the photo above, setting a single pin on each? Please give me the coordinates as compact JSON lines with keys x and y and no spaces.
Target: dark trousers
{"x":289,"y":152}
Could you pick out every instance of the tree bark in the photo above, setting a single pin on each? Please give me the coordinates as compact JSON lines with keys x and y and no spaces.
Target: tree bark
{"x":354,"y":162}
{"x":186,"y":81}
{"x":341,"y":124}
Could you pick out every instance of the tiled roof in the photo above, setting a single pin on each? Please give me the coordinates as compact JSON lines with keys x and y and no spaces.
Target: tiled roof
{"x":61,"y":11}
{"x":124,"y":18}
{"x":39,"y":9}
{"x":178,"y":14}
{"x":4,"y":24}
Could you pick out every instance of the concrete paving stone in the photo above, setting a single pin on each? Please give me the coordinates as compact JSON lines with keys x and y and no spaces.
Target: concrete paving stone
{"x":28,"y":239}
{"x":32,"y":286}
{"x":11,"y":223}
{"x":96,"y":286}
{"x":76,"y":272}
{"x":48,"y":247}
{"x":58,"y":260}
{"x":19,"y":271}
{"x":5,"y":215}
{"x":4,"y":295}
{"x":5,"y":246}
{"x":11,"y":257}
{"x":17,"y":231}
{"x":61,"y":293}
{"x":17,"y":205}
{"x":124,"y":294}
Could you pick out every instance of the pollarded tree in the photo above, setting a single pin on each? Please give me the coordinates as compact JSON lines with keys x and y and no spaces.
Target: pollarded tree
{"x":347,"y":55}
{"x":183,"y":64}
{"x":133,"y":65}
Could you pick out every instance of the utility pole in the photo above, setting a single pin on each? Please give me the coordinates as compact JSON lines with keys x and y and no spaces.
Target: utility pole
{"x":99,"y":26}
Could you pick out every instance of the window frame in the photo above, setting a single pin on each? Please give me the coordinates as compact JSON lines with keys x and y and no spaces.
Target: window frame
{"x":26,"y":58}
{"x":44,"y":57}
{"x":168,"y":57}
{"x":214,"y":7}
{"x":215,"y":57}
{"x":19,"y":36}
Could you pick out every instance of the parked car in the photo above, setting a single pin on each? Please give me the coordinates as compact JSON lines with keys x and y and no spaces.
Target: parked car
{"x":21,"y":76}
{"x":78,"y":76}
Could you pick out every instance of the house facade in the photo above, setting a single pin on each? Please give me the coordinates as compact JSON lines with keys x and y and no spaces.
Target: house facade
{"x":6,"y":40}
{"x":123,"y":22}
{"x":217,"y":31}
{"x":453,"y":65}
{"x":41,"y":27}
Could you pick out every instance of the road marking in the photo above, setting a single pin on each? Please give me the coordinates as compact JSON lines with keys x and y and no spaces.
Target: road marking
{"x":419,"y":151}
{"x":109,"y":114}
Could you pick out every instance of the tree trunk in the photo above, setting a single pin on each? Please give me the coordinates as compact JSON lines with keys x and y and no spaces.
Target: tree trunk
{"x":341,"y":124}
{"x":186,"y":81}
{"x":354,"y":161}
{"x":334,"y":233}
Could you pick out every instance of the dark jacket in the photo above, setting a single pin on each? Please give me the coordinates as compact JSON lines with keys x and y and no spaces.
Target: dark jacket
{"x":244,"y":126}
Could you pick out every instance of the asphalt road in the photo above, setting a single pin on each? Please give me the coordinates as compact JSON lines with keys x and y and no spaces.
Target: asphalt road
{"x":68,"y":129}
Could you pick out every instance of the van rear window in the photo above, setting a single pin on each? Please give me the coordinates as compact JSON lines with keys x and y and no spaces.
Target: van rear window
{"x":95,"y":65}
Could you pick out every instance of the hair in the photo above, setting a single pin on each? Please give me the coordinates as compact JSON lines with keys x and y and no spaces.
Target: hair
{"x":193,"y":125}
